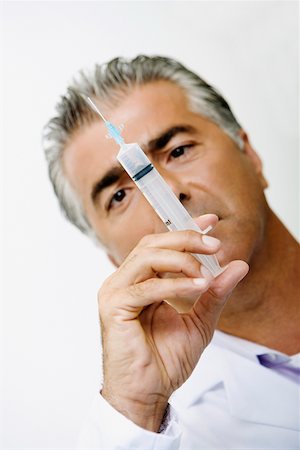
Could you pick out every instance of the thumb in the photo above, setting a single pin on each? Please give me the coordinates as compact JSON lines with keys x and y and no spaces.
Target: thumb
{"x":206,"y":311}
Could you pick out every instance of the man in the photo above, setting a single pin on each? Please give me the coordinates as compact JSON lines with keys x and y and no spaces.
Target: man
{"x":160,"y":308}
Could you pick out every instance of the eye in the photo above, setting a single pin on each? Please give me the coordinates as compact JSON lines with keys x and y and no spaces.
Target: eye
{"x":116,"y":198}
{"x":180,"y":151}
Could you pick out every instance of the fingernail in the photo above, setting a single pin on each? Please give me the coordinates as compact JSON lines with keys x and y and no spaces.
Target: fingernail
{"x":201,"y":282}
{"x":210,"y":241}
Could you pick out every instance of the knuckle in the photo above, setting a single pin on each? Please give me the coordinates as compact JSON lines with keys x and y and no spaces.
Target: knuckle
{"x":144,"y":251}
{"x":105,"y":297}
{"x":190,"y":261}
{"x":141,"y":290}
{"x":149,"y":254}
{"x":136,"y":290}
{"x":111,"y":281}
{"x":107,"y":282}
{"x":138,"y":256}
{"x":186,"y":258}
{"x":179,"y":288}
{"x":102,"y":301}
{"x":146,"y":240}
{"x":150,"y":285}
{"x":191,"y":239}
{"x":218,"y":294}
{"x":191,"y":235}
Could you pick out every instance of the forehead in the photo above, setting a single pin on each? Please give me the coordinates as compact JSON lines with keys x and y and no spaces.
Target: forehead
{"x":157,"y":104}
{"x":145,"y":111}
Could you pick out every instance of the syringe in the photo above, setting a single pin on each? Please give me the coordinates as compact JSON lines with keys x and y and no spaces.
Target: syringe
{"x":156,"y":190}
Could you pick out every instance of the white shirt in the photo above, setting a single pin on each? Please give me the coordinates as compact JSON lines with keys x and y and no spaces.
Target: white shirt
{"x":229,"y":402}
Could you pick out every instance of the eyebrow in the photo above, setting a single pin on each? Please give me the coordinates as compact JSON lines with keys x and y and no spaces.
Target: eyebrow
{"x":162,"y":140}
{"x":113,"y":175}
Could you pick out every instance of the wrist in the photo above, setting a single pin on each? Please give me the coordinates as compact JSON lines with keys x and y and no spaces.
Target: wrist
{"x":146,"y":414}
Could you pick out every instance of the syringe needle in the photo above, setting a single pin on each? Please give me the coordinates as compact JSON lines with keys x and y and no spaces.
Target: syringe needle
{"x":95,"y":108}
{"x":112,"y":130}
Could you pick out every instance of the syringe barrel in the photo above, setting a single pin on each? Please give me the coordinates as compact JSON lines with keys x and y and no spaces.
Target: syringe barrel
{"x":161,"y":197}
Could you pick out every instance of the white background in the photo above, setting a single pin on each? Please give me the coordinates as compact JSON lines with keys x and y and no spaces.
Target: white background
{"x":52,"y":272}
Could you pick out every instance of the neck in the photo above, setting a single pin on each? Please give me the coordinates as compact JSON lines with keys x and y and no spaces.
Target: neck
{"x":264,"y":308}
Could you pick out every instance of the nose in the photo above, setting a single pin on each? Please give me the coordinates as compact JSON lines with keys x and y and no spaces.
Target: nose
{"x":177,"y":185}
{"x":182,"y":197}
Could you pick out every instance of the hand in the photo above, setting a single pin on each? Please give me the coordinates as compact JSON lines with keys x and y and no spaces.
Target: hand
{"x":149,"y":349}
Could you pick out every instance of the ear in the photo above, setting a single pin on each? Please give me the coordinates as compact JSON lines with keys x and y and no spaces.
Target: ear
{"x":253,"y":157}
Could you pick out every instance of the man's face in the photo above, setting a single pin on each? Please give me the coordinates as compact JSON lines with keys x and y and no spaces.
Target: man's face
{"x":200,"y":162}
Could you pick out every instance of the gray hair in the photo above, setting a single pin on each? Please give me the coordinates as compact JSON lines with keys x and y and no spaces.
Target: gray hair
{"x":109,"y":83}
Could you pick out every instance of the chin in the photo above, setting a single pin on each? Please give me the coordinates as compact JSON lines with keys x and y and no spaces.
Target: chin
{"x":236,"y":244}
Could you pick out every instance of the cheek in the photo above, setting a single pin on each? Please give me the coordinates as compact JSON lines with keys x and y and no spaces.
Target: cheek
{"x":230,"y":177}
{"x":121,"y":235}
